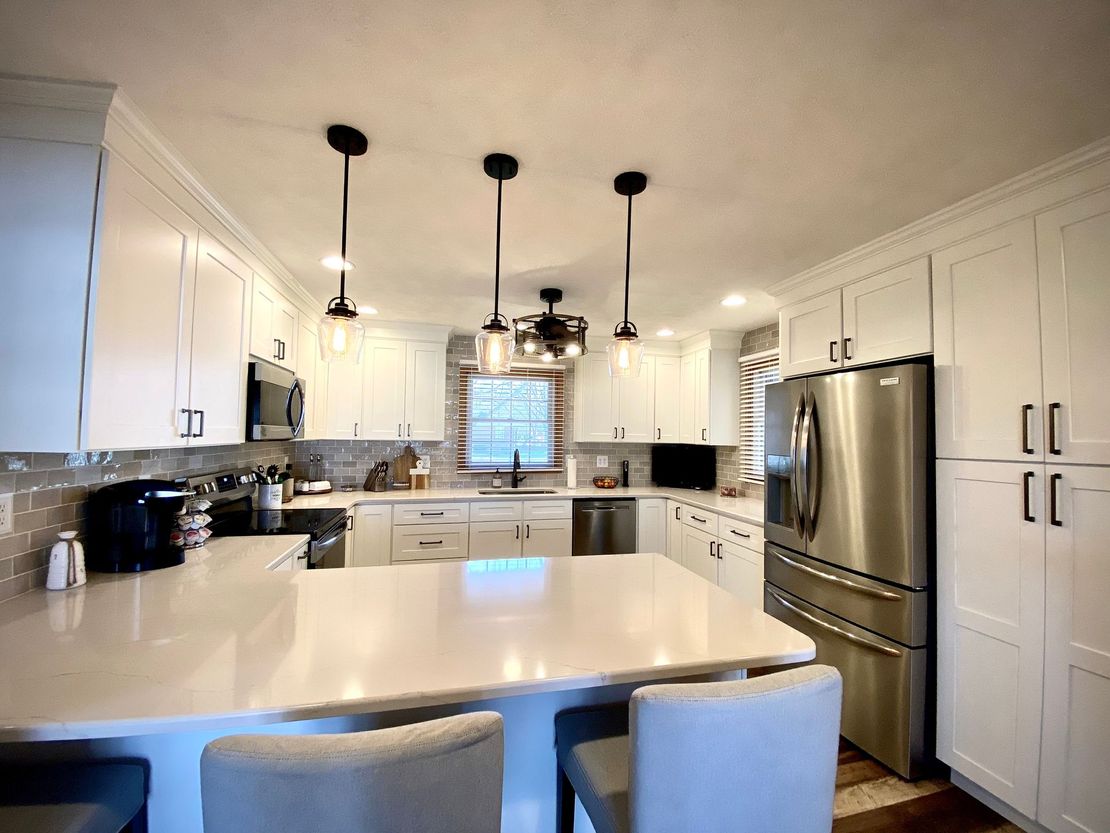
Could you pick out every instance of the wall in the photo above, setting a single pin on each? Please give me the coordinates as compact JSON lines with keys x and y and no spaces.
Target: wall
{"x":50,"y":492}
{"x":728,"y":459}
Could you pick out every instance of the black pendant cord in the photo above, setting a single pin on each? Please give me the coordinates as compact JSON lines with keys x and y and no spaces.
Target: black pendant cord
{"x":627,"y":259}
{"x":497,"y":256}
{"x":343,"y":244}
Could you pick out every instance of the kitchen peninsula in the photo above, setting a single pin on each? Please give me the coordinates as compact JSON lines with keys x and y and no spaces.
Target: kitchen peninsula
{"x":154,"y":665}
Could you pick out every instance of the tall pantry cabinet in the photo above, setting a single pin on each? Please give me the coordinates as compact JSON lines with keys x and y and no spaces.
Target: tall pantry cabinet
{"x":1023,"y":511}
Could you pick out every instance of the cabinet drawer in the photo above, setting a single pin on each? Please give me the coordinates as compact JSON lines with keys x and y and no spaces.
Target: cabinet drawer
{"x":431,"y":513}
{"x":495,"y":510}
{"x":748,"y":536}
{"x":698,"y":519}
{"x":425,"y":542}
{"x":546,"y":509}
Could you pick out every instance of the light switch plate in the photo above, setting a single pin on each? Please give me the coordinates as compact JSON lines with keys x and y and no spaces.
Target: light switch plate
{"x":5,"y":514}
{"x":602,"y":461}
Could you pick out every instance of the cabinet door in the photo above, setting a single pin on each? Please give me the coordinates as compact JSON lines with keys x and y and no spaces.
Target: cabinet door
{"x":1076,"y":739}
{"x":651,"y":525}
{"x":674,"y":531}
{"x":425,"y":390}
{"x":688,"y":410}
{"x":383,"y":390}
{"x":667,"y":399}
{"x":740,"y":572}
{"x":990,"y":625}
{"x":218,"y":370}
{"x":344,"y":400}
{"x":264,"y":305}
{"x":636,"y":406}
{"x":495,"y":539}
{"x":550,"y":538}
{"x":889,"y":315}
{"x":699,"y":553}
{"x":809,"y":335}
{"x":141,"y":318}
{"x":307,"y":361}
{"x":596,"y":410}
{"x":285,"y":331}
{"x":988,"y":346}
{"x":1073,"y":251}
{"x":372,"y":535}
{"x":702,"y":409}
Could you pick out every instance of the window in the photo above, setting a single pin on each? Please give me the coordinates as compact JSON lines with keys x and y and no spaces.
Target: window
{"x":518,"y":411}
{"x":756,"y":372}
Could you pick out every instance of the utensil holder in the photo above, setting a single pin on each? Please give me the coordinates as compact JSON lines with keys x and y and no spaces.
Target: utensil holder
{"x":269,"y":496}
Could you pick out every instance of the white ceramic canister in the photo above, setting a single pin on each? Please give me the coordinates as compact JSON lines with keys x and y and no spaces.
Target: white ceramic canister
{"x":269,"y":496}
{"x":67,"y":563}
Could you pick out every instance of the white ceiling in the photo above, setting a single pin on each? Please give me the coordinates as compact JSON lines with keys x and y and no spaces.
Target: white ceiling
{"x":775,"y":134}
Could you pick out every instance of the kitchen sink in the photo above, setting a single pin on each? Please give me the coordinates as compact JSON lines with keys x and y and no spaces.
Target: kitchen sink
{"x":517,"y":492}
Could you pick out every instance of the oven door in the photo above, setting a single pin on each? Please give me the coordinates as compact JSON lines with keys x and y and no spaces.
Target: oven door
{"x":275,"y":403}
{"x":330,"y":548}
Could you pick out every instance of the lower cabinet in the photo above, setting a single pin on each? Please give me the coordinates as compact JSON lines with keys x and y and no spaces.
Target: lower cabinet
{"x":513,"y":539}
{"x":699,"y":552}
{"x":547,"y":538}
{"x":740,"y":572}
{"x":725,"y":552}
{"x":674,"y":531}
{"x":431,"y":542}
{"x":371,"y":537}
{"x":651,"y":525}
{"x":293,"y":561}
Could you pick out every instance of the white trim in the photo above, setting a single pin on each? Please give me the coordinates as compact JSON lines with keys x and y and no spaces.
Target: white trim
{"x":53,"y":111}
{"x":998,"y":805}
{"x":1072,"y":163}
{"x":527,"y":365}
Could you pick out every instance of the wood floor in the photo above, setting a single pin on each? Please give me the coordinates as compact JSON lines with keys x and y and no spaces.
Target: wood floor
{"x":870,"y":798}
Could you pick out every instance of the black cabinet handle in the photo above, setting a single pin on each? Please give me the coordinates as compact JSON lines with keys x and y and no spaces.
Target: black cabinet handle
{"x":1052,"y":518}
{"x":614,"y":432}
{"x":277,"y":348}
{"x":430,"y":543}
{"x":1026,"y":485}
{"x":696,"y":518}
{"x":833,"y":352}
{"x":398,"y":429}
{"x":410,"y":429}
{"x":1026,"y":410}
{"x":200,"y":433}
{"x":847,"y":346}
{"x":517,"y":532}
{"x":622,"y":433}
{"x":741,"y":534}
{"x":430,"y":514}
{"x":350,"y":522}
{"x":528,"y":530}
{"x":356,"y":429}
{"x":712,"y":549}
{"x":189,"y":425}
{"x":703,"y":434}
{"x":676,"y":515}
{"x":658,"y":433}
{"x":1053,"y":410}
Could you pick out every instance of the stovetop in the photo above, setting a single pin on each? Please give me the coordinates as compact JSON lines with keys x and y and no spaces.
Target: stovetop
{"x":275,"y":522}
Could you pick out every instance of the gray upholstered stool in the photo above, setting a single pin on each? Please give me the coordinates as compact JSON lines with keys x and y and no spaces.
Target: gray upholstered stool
{"x":750,"y":756}
{"x":73,"y":798}
{"x":443,"y":776}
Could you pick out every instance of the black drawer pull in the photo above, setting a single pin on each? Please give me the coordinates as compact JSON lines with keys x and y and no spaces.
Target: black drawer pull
{"x":741,"y":534}
{"x":430,"y":543}
{"x":696,"y":518}
{"x":430,"y":514}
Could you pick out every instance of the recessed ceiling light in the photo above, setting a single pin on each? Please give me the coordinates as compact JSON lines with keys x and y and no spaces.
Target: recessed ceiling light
{"x":734,"y":301}
{"x":666,"y":332}
{"x":363,"y":309}
{"x":335,"y":262}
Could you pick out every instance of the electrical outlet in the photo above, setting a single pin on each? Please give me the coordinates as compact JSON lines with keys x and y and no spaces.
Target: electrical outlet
{"x":602,"y":461}
{"x":5,"y":514}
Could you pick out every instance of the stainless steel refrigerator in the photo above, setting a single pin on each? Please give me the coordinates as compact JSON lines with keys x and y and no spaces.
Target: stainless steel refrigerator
{"x":849,"y":542}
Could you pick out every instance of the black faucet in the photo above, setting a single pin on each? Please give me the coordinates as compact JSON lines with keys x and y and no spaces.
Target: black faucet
{"x":518,"y":478}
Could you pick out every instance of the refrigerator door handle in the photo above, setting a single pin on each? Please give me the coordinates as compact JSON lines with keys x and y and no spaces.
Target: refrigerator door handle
{"x":843,"y":634}
{"x":810,"y":502}
{"x":842,"y":582}
{"x":795,"y":492}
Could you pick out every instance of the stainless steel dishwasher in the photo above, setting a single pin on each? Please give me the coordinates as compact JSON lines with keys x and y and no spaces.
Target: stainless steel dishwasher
{"x":604,"y":526}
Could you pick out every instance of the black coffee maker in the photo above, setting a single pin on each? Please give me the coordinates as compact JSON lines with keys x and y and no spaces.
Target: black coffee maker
{"x":129,"y":526}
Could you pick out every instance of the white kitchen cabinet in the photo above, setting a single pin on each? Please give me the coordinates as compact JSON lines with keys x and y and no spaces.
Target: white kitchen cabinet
{"x":344,"y":397}
{"x":740,"y":572}
{"x":495,"y":539}
{"x":425,"y":390}
{"x":636,"y":405}
{"x":371,"y":535}
{"x":651,"y":525}
{"x":313,"y":371}
{"x":990,"y":624}
{"x":431,"y":513}
{"x":809,"y":335}
{"x":988,"y":347}
{"x":674,"y":531}
{"x":699,"y":552}
{"x":687,"y":396}
{"x":709,"y":390}
{"x":496,"y":510}
{"x":539,"y":510}
{"x":430,"y":542}
{"x":383,"y":390}
{"x":888,"y":316}
{"x":667,"y":399}
{"x":297,"y":560}
{"x":141,"y":317}
{"x":1073,"y":264}
{"x":547,"y":538}
{"x":613,"y":410}
{"x":273,"y":325}
{"x":1076,"y":730}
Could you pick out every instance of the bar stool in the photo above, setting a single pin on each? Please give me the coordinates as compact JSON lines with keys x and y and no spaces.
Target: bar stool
{"x":74,"y":798}
{"x":749,"y":756}
{"x":442,"y":776}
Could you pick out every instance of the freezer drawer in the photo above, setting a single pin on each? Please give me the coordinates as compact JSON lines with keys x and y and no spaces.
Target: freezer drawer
{"x":885,"y":684}
{"x":895,"y":612}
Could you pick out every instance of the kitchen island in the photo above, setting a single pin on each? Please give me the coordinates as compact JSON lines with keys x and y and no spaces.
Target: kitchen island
{"x":155,"y":665}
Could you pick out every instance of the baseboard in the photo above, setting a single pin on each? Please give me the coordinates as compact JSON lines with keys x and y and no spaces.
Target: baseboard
{"x":998,"y":805}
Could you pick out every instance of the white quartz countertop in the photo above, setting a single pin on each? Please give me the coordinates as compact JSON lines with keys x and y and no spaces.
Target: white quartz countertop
{"x":220,"y":641}
{"x":739,"y":508}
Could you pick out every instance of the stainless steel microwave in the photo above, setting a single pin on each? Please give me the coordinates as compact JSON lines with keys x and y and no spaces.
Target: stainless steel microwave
{"x":275,"y":403}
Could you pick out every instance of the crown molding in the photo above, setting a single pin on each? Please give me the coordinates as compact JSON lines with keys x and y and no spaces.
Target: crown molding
{"x":1085,"y":157}
{"x":54,"y":111}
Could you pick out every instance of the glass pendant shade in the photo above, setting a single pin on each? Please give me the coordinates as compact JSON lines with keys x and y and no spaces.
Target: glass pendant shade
{"x":340,"y":338}
{"x":495,"y":349}
{"x":626,"y":355}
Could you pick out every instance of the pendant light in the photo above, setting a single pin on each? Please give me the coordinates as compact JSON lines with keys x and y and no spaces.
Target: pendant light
{"x":496,"y":341}
{"x":626,"y":351}
{"x":340,"y":331}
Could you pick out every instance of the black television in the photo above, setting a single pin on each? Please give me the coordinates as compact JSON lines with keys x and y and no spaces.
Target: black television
{"x":684,"y":466}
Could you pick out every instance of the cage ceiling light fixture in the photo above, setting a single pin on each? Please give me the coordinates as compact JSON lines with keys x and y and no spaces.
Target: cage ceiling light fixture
{"x":340,"y":331}
{"x":551,"y":335}
{"x":496,"y":340}
{"x":626,"y":351}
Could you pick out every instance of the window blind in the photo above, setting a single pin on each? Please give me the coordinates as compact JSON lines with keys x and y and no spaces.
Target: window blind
{"x":524,"y":410}
{"x":756,"y":372}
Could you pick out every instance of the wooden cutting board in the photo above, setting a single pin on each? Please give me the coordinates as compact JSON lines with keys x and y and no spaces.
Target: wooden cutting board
{"x":402,"y":465}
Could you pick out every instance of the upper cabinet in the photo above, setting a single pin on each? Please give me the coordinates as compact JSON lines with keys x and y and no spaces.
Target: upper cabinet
{"x":313,"y":370}
{"x":425,"y":390}
{"x":273,"y":325}
{"x":882,"y":317}
{"x":709,"y":390}
{"x":668,"y":404}
{"x":613,"y":410}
